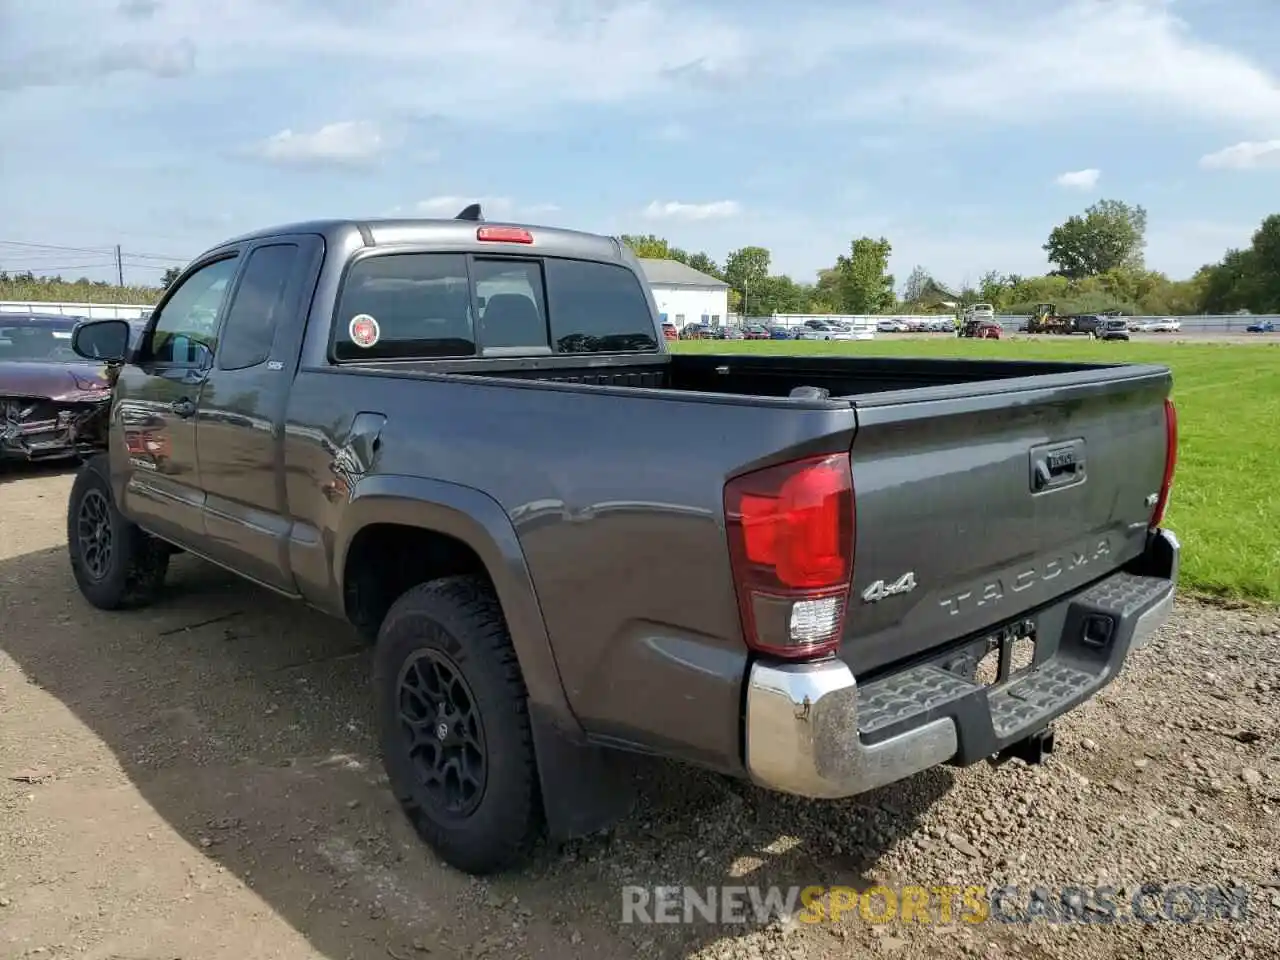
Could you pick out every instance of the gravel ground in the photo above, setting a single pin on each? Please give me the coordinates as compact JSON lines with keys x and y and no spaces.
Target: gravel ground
{"x":198,"y":780}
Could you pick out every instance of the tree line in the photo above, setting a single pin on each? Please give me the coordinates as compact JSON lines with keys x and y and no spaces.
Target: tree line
{"x":1096,"y":258}
{"x":1097,"y":265}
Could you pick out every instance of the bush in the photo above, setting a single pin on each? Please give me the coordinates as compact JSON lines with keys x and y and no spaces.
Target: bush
{"x":57,"y":290}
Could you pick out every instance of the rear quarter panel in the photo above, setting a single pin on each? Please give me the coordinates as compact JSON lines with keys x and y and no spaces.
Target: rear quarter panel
{"x":617,"y":501}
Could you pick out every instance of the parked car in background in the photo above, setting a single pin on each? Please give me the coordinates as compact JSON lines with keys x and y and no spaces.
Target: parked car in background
{"x":1089,"y":323}
{"x":819,"y":330}
{"x":756,"y":331}
{"x":1113,"y":328}
{"x":48,"y":393}
{"x":1166,"y":326}
{"x":979,"y":311}
{"x":694,"y":331}
{"x":780,"y":332}
{"x":669,"y":331}
{"x":731,"y":333}
{"x":1266,"y":326}
{"x":981,"y":329}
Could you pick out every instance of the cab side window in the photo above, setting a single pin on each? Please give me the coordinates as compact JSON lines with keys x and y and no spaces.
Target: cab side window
{"x":257,"y":307}
{"x":186,"y":332}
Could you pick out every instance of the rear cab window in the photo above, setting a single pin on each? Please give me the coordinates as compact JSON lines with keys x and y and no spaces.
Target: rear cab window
{"x":457,"y":305}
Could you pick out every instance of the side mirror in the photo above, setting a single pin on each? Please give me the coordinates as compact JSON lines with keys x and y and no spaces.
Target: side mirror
{"x":106,"y":340}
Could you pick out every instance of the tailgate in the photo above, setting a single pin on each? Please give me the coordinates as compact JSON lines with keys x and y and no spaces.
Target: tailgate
{"x":995,"y":497}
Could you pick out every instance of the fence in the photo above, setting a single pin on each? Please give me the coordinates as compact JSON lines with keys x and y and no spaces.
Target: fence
{"x":1217,"y":323}
{"x":1221,"y":322}
{"x":94,"y":311}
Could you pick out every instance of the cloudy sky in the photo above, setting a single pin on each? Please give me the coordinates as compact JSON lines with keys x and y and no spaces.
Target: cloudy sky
{"x":963,"y":130}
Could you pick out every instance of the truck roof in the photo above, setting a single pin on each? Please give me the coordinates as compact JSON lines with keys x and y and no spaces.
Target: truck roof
{"x":454,"y":233}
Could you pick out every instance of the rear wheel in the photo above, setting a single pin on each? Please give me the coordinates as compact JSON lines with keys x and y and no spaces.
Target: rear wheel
{"x":114,"y":562}
{"x":454,"y":725}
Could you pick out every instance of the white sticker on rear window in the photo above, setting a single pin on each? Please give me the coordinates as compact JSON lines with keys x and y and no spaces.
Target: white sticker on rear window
{"x":363,"y":330}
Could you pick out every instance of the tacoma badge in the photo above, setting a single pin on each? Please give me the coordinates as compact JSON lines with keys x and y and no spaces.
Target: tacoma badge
{"x":879,"y":590}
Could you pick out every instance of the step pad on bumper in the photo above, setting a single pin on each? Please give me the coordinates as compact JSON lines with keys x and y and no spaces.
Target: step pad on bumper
{"x":1123,"y":594}
{"x":1037,"y":694}
{"x":1068,"y":676}
{"x":904,"y":695}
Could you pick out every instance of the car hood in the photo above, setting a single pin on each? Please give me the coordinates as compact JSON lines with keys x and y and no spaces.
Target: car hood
{"x":57,"y":381}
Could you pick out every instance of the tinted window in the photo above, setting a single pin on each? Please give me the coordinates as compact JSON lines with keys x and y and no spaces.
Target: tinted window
{"x":420,"y":304}
{"x":187,"y":329}
{"x":596,"y":307}
{"x":37,"y":340}
{"x":256,"y":309}
{"x":509,"y":295}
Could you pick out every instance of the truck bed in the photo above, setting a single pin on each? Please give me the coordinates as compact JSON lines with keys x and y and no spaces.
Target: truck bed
{"x":943,"y":454}
{"x":747,"y":376}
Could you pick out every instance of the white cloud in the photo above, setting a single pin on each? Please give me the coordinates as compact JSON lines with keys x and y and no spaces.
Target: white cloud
{"x":1079,"y":179}
{"x":675,"y":210}
{"x":989,"y":60}
{"x":1083,"y":57}
{"x":672,"y":132}
{"x":61,"y":66}
{"x":139,"y":9}
{"x":350,"y":143}
{"x":1246,"y":155}
{"x":498,"y":59}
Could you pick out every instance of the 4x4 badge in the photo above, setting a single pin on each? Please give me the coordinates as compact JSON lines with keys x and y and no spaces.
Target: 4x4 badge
{"x":879,"y":590}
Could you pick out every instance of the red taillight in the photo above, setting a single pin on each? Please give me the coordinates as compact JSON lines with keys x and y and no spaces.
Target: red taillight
{"x":1170,"y":462}
{"x":504,"y":234}
{"x":791,"y":547}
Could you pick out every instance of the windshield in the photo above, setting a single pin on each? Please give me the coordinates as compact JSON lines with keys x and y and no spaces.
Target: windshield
{"x":46,"y":341}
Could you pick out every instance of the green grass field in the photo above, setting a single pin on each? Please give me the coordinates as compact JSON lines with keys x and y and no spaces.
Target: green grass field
{"x":1226,"y":497}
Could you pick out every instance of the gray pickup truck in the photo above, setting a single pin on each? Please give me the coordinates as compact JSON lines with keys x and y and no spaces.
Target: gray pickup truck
{"x":822,"y":574}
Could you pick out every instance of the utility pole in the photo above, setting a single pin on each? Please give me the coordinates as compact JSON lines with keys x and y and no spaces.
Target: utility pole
{"x":119,"y":267}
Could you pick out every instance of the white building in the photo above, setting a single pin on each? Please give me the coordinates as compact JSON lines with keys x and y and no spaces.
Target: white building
{"x":685,"y":295}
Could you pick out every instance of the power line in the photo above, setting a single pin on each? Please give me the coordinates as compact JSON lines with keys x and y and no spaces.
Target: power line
{"x":157,"y":256}
{"x":45,"y":259}
{"x":71,"y":266}
{"x":53,"y":246}
{"x":104,"y":251}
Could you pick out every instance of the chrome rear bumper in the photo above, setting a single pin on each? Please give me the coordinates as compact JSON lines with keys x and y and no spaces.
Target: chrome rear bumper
{"x":811,"y":731}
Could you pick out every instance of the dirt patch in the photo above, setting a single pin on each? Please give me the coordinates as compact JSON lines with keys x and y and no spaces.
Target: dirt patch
{"x":199,"y":780}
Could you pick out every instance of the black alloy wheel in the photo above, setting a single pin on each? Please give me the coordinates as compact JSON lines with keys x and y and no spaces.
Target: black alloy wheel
{"x":445,"y":734}
{"x":93,"y":532}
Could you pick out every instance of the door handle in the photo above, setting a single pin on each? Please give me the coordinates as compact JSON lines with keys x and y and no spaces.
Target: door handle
{"x":183,"y":408}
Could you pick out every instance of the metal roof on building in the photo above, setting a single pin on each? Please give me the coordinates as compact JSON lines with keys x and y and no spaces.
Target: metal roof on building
{"x":673,"y":273}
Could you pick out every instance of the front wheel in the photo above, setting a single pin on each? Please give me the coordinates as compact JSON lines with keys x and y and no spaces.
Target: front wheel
{"x":115,"y":563}
{"x":454,"y":725}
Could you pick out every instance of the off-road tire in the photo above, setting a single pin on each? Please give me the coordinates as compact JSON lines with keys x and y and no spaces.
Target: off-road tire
{"x":457,"y":620}
{"x":134,"y":572}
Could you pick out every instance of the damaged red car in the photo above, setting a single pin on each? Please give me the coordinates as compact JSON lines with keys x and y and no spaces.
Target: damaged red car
{"x":49,"y":396}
